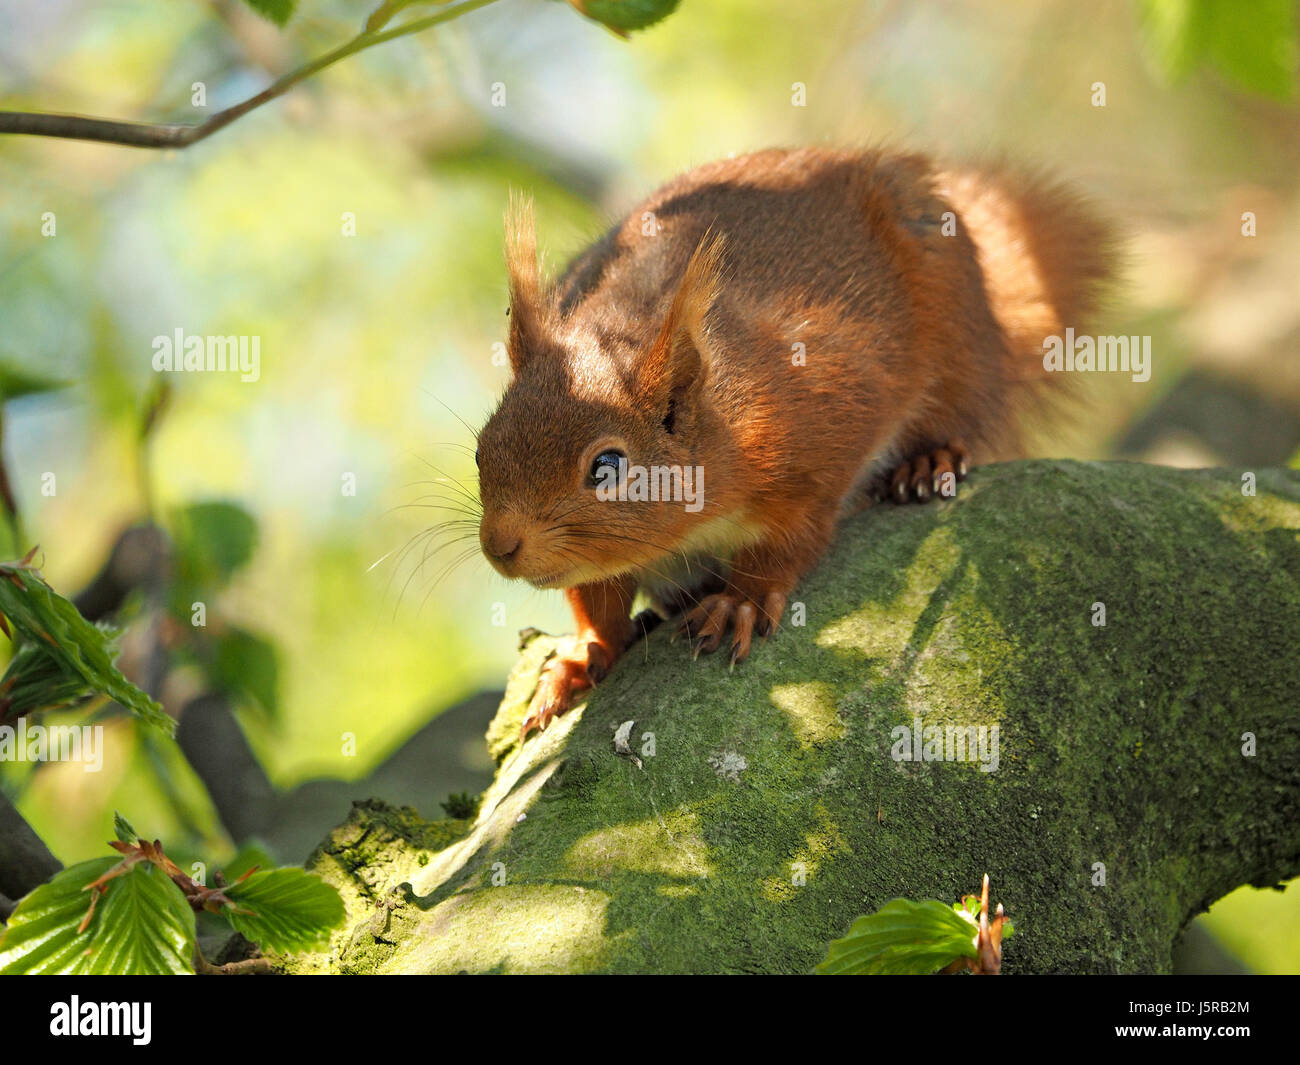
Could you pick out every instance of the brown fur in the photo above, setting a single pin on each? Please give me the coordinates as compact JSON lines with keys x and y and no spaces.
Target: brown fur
{"x":914,"y":340}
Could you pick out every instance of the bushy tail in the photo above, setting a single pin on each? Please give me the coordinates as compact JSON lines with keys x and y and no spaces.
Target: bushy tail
{"x":1047,"y":258}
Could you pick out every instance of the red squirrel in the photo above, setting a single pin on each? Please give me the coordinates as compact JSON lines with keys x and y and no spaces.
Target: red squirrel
{"x":806,"y":327}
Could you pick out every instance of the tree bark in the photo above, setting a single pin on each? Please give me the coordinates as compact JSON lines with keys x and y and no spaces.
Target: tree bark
{"x":25,"y":860}
{"x":1145,"y":766}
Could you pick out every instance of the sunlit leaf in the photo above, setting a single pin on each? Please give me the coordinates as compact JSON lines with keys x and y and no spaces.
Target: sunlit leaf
{"x":903,"y":937}
{"x":292,"y":909}
{"x":141,"y":925}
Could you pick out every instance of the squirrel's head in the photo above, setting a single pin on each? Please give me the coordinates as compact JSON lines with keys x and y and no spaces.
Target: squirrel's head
{"x":587,"y":467}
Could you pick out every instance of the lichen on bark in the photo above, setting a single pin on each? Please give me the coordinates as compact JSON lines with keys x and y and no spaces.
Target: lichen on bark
{"x":769,"y":812}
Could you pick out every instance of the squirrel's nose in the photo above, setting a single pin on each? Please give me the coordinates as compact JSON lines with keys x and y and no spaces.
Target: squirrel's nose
{"x":502,"y":546}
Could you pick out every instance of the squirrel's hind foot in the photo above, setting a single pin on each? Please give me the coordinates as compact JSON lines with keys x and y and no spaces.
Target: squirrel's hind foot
{"x":931,"y":473}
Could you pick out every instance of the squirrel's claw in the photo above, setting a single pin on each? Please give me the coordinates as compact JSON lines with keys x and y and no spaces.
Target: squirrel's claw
{"x":539,"y":717}
{"x":561,"y":680}
{"x":708,"y":623}
{"x":746,"y":616}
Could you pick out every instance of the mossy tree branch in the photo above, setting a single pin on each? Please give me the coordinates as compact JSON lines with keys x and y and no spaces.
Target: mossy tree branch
{"x":1146,"y":767}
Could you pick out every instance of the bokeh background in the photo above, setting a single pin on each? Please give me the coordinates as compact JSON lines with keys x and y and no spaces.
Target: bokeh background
{"x":334,"y":647}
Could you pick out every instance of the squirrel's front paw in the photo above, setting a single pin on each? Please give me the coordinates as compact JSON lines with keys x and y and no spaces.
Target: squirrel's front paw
{"x":707,"y":624}
{"x":562,"y":678}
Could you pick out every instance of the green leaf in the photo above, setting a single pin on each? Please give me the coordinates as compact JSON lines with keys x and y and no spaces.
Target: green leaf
{"x":18,"y":381}
{"x":122,"y":829}
{"x":278,"y":11}
{"x":71,"y":650}
{"x":903,"y":937}
{"x":245,"y":664}
{"x":623,"y":16}
{"x":142,"y":925}
{"x":292,"y":909}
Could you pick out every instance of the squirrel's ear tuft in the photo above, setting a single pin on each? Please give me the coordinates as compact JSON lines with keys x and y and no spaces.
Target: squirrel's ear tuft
{"x":675,"y":366}
{"x":527,"y":300}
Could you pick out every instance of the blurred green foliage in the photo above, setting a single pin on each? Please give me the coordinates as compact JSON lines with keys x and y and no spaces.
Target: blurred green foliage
{"x":1254,"y":45}
{"x":278,"y":11}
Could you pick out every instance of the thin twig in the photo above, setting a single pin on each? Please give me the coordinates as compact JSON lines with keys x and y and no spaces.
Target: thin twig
{"x":149,"y":135}
{"x":244,"y":967}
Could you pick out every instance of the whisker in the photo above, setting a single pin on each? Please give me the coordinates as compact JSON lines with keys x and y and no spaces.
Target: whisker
{"x":425,"y":535}
{"x":447,"y":478}
{"x":473,"y":432}
{"x":446,"y":572}
{"x":603,"y":532}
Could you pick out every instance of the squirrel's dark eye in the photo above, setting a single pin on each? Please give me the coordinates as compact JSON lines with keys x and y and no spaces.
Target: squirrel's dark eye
{"x":478,"y":453}
{"x":605,"y":467}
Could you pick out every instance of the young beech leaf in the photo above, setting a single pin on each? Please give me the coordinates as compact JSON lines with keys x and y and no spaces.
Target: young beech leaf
{"x":285,"y":909}
{"x":141,"y":925}
{"x":80,"y":651}
{"x":902,"y":937}
{"x":122,"y":829}
{"x":37,"y":682}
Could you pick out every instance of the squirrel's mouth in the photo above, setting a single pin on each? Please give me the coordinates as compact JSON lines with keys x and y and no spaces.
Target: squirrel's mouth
{"x":551,"y":580}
